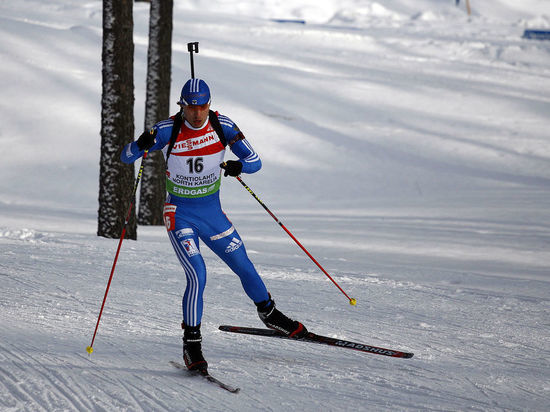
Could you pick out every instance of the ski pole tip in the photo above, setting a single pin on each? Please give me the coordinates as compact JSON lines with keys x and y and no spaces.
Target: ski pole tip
{"x":353,"y":301}
{"x":89,"y":349}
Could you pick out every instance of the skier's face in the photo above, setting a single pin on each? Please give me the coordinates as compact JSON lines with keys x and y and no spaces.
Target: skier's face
{"x":196,"y":115}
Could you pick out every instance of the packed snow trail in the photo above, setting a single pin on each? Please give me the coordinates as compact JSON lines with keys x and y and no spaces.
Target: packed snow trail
{"x":418,"y":176}
{"x":478,"y":342}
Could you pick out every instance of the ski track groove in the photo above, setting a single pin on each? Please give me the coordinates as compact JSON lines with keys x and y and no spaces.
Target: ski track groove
{"x":150,"y":402}
{"x":18,"y":362}
{"x":530,"y":392}
{"x":478,"y":388}
{"x":45,"y":375}
{"x":132,"y":397}
{"x":107,"y":386}
{"x":62,"y":387}
{"x":9,"y":382}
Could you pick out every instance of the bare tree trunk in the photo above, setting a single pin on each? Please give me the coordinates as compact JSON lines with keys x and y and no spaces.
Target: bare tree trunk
{"x":157,"y":106}
{"x":117,"y":119}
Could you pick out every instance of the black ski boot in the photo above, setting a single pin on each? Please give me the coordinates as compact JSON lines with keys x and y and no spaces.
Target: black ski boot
{"x":274,"y":319}
{"x":192,"y":353}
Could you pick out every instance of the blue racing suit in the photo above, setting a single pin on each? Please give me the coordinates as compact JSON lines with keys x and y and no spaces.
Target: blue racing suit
{"x":193,"y":210}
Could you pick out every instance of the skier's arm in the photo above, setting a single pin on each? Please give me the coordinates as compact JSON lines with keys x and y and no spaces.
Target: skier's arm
{"x":130,"y":153}
{"x":161,"y":134}
{"x":240,"y":147}
{"x":247,"y":156}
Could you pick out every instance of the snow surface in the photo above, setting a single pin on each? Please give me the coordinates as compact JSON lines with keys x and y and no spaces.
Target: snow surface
{"x":404,"y":143}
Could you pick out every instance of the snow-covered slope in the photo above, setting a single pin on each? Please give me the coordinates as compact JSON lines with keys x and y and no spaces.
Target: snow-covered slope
{"x":404,"y":143}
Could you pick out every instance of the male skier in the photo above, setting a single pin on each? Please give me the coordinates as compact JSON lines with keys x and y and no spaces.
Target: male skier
{"x":193,"y":211}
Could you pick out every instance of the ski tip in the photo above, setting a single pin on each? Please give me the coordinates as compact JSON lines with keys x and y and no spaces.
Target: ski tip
{"x":206,"y":375}
{"x":407,"y":355}
{"x":176,"y":364}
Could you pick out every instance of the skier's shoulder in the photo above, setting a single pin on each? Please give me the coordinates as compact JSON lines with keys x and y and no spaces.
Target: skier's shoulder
{"x":225,"y":121}
{"x":229,"y":127}
{"x":164,"y":129}
{"x":167,"y":123}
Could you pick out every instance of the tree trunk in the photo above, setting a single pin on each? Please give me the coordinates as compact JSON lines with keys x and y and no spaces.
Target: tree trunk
{"x":157,"y":106}
{"x":117,"y":120}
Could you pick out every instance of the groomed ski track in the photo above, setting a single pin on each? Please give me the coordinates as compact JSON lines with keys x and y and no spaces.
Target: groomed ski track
{"x":420,"y":182}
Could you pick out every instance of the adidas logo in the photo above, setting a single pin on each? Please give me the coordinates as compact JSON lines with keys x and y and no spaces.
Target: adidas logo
{"x":234,"y":245}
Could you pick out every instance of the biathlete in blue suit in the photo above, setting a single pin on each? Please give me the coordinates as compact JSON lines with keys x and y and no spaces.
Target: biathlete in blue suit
{"x":193,"y":210}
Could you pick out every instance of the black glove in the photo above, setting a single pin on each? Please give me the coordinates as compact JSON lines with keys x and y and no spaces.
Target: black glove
{"x":146,"y":140}
{"x":232,"y":168}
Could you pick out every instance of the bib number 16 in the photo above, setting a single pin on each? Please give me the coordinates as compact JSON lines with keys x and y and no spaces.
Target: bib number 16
{"x":195,"y":164}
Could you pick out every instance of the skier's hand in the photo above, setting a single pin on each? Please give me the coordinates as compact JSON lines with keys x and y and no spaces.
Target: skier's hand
{"x":146,"y":140}
{"x":232,"y":167}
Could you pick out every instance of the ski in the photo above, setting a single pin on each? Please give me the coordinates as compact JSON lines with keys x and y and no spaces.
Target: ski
{"x":324,"y":340}
{"x":207,"y":376}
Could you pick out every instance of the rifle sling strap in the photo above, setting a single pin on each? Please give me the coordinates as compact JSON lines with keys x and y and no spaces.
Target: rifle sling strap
{"x":178,"y":120}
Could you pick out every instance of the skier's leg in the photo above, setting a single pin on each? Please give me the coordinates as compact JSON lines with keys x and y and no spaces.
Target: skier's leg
{"x":229,"y":246}
{"x":185,"y":243}
{"x":222,"y":238}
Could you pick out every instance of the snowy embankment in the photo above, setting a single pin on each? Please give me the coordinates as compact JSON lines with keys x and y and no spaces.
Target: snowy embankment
{"x":405,"y":146}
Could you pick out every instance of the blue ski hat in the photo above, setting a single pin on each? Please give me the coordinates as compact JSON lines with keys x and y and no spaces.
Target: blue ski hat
{"x":194,"y":92}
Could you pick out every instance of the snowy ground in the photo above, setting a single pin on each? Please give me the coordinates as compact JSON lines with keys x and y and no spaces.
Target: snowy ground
{"x":405,"y":144}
